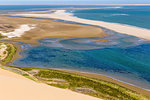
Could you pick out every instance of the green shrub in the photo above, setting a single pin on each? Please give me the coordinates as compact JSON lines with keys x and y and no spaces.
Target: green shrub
{"x":104,"y":89}
{"x":11,"y":51}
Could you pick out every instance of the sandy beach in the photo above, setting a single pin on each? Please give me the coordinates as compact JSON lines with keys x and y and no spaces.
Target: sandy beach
{"x":26,"y":89}
{"x":124,"y":29}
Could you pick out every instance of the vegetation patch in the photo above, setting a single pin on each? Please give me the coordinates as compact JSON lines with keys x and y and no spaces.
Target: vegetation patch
{"x":11,"y":51}
{"x":85,"y":90}
{"x":86,"y":85}
{"x":1,"y":36}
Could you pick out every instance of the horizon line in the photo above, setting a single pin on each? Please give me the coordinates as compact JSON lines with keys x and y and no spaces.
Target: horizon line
{"x":74,"y":4}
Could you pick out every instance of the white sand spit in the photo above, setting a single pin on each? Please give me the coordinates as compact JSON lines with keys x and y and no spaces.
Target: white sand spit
{"x":124,"y":29}
{"x":17,"y":87}
{"x":18,"y":32}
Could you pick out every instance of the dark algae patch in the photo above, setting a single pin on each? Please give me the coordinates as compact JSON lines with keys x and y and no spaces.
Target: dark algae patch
{"x":90,"y":86}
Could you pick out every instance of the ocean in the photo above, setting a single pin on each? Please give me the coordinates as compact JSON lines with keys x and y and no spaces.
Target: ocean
{"x":130,"y":15}
{"x":122,"y":57}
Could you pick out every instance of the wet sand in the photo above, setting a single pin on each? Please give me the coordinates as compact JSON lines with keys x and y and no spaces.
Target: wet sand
{"x":48,"y":28}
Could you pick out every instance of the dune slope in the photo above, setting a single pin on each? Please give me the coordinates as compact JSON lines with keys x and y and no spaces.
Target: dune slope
{"x":17,"y":87}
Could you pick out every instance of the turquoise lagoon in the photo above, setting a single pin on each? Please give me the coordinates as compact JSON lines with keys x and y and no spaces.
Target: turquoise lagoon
{"x":125,"y":58}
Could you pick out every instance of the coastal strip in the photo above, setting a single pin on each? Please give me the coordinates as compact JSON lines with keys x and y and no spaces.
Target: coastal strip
{"x":78,"y":83}
{"x":121,"y":28}
{"x":108,"y":79}
{"x":87,"y":83}
{"x":26,"y":89}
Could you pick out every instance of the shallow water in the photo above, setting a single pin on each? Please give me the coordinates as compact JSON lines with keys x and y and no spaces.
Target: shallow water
{"x":122,"y":55}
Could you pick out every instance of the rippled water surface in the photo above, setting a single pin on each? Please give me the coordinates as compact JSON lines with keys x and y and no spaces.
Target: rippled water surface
{"x":122,"y":57}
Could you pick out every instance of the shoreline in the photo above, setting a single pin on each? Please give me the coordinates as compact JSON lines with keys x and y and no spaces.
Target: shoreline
{"x":95,"y":76}
{"x":90,"y":76}
{"x":112,"y":79}
{"x":109,"y":79}
{"x":120,"y":28}
{"x":105,"y":78}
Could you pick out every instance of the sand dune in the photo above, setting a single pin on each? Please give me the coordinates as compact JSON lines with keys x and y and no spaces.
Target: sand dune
{"x":125,"y":29}
{"x":17,"y":87}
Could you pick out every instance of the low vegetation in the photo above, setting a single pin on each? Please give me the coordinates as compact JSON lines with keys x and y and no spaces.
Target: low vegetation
{"x":82,"y":84}
{"x":11,"y":51}
{"x":1,"y":36}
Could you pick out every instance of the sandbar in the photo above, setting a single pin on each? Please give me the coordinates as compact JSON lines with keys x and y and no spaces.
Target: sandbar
{"x":121,"y":28}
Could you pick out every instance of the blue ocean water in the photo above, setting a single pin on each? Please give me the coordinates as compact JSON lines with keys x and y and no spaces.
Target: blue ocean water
{"x":130,"y":15}
{"x":25,"y":8}
{"x":122,"y":57}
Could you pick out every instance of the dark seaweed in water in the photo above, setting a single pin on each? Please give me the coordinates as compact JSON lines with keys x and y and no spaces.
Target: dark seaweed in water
{"x":131,"y":61}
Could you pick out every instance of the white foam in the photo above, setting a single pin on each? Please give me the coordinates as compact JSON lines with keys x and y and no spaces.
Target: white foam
{"x":119,"y":14}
